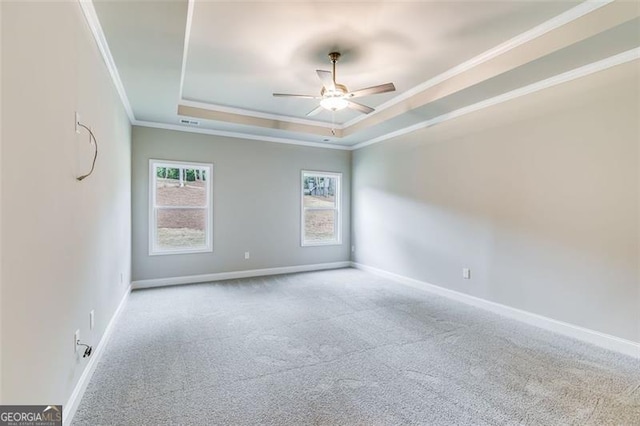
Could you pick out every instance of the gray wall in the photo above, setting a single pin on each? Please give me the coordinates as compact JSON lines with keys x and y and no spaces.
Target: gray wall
{"x":65,"y":243}
{"x":538,"y":196}
{"x":1,"y":399}
{"x":256,"y":202}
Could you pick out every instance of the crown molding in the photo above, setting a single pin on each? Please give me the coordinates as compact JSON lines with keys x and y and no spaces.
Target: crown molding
{"x":539,"y":30}
{"x":185,"y":47}
{"x":420,"y":94}
{"x":612,"y":61}
{"x":237,"y":135}
{"x":241,"y":116}
{"x":581,"y":27}
{"x":619,"y":59}
{"x":547,"y":26}
{"x":91,"y":17}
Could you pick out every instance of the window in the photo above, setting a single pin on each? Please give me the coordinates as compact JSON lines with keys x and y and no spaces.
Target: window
{"x":320,"y":208}
{"x":180,"y":214}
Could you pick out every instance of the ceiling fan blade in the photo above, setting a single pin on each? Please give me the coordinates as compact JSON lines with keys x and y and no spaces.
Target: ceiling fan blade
{"x":327,"y":79}
{"x":288,"y":95}
{"x":315,"y":111}
{"x":359,"y":107}
{"x":382,"y":88}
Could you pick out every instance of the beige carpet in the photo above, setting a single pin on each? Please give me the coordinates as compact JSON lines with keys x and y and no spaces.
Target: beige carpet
{"x":344,"y":347}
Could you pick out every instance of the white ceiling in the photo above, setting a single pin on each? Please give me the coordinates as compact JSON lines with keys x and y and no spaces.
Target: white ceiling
{"x":222,"y":60}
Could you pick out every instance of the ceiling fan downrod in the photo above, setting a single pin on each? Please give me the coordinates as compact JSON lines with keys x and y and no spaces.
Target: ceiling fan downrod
{"x":334,"y":56}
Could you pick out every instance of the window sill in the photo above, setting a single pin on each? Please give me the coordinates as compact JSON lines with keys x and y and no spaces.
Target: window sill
{"x":321,"y":243}
{"x":175,"y":252}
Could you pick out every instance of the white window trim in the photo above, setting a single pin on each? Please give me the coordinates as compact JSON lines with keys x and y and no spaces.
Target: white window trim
{"x":338,"y":209}
{"x":208,"y":167}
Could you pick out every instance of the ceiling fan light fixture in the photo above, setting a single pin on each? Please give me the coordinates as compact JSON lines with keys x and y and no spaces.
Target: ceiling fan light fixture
{"x":335,"y":96}
{"x":334,"y":103}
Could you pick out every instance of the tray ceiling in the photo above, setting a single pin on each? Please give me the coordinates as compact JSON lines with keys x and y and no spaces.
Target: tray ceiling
{"x":218,"y":63}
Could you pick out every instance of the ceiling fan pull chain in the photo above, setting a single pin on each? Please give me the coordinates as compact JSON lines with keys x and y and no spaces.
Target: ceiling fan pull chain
{"x":333,"y":121}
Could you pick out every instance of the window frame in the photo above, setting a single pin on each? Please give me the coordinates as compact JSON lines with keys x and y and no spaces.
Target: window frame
{"x":153,"y":208}
{"x":337,"y":209}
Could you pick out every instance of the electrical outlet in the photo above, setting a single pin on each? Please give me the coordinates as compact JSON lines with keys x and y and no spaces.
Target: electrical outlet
{"x":76,"y":123}
{"x":353,"y":249}
{"x":76,"y":339}
{"x":466,"y":273}
{"x":247,"y":255}
{"x":91,"y":319}
{"x":121,"y":278}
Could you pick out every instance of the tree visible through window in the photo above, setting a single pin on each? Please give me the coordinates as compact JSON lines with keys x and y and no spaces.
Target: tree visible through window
{"x":180,"y":207}
{"x":320,"y":208}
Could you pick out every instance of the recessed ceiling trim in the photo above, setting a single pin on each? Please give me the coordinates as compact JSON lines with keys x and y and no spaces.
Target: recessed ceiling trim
{"x":90,"y":15}
{"x":506,"y":56}
{"x":584,"y":9}
{"x":228,"y":109}
{"x":587,"y":25}
{"x":237,"y":135}
{"x":208,"y":114}
{"x":185,"y":49}
{"x":622,"y":58}
{"x":539,"y":30}
{"x":258,"y":114}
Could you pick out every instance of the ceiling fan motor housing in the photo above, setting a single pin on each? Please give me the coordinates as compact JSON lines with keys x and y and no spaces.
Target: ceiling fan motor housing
{"x":334,"y":100}
{"x":341,"y":90}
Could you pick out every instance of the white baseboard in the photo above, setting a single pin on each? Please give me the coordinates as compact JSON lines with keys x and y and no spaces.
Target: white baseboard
{"x":192,"y":279}
{"x":597,"y":338}
{"x":69,"y":409}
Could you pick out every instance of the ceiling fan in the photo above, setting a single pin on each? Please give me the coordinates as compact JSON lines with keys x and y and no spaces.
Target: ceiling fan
{"x":334,"y":96}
